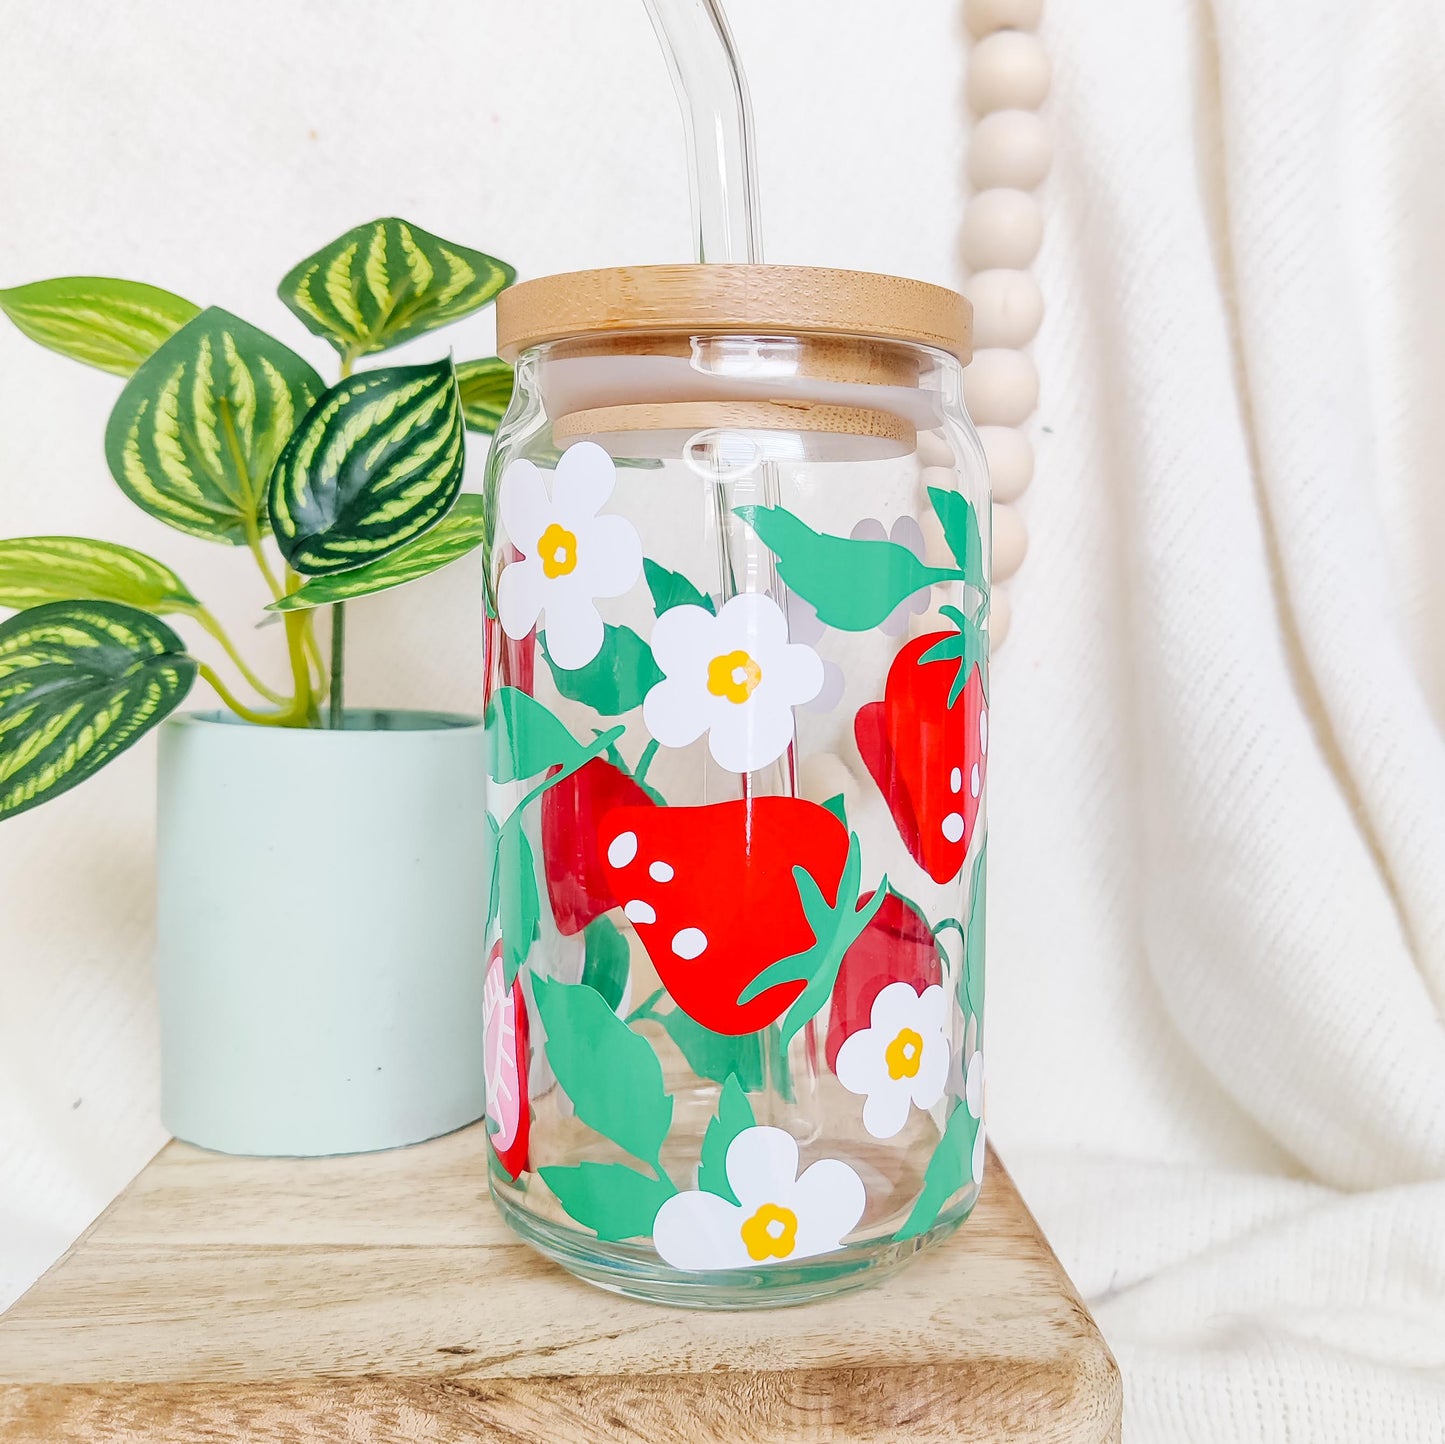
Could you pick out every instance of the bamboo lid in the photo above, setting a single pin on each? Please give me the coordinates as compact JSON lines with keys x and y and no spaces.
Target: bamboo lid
{"x":761,"y":300}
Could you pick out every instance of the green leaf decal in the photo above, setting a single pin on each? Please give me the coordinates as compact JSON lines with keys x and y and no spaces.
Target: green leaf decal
{"x":734,"y":1113}
{"x":716,"y":1055}
{"x":949,"y":1169}
{"x":971,"y":984}
{"x":607,"y":960}
{"x":835,"y":928}
{"x":968,"y":645}
{"x":853,"y":583}
{"x":375,"y":463}
{"x":463,"y":529}
{"x":37,"y":569}
{"x":494,"y":873}
{"x":518,"y":901}
{"x":524,"y":738}
{"x":616,"y":679}
{"x":387,"y":281}
{"x":672,"y":589}
{"x":199,"y":426}
{"x":611,"y":1199}
{"x":960,"y":531}
{"x":79,"y":683}
{"x":486,"y":388}
{"x":609,"y":1072}
{"x":114,"y":325}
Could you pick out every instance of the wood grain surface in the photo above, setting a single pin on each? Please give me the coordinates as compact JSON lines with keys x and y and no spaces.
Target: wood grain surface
{"x":380,"y":1298}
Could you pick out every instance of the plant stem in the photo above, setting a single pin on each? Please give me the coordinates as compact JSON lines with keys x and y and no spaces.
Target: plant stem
{"x":295,"y":623}
{"x":337,"y":715}
{"x":246,"y":714}
{"x":214,"y":629}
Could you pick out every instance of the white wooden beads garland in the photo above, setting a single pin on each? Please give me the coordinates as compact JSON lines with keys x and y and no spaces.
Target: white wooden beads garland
{"x":1009,"y":155}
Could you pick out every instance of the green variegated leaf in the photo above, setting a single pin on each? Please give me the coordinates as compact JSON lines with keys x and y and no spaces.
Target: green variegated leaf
{"x":387,"y":281}
{"x":79,"y":683}
{"x":37,"y":569}
{"x":486,"y":388}
{"x":374,"y":464}
{"x":114,"y":325}
{"x":463,"y":529}
{"x":198,"y":428}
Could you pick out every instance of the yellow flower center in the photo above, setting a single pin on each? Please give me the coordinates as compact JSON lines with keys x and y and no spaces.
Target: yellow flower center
{"x":733,"y":675}
{"x":904,"y":1054}
{"x":558,"y":549}
{"x":772,"y":1232}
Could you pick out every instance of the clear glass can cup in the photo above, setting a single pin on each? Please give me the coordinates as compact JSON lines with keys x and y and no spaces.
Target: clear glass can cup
{"x":737,"y":586}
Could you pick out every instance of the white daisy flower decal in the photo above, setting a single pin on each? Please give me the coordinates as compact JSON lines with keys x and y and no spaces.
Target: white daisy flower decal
{"x":570,"y":555}
{"x":778,"y":1218}
{"x":734,"y":676}
{"x":973,"y":1100}
{"x":900,"y":1059}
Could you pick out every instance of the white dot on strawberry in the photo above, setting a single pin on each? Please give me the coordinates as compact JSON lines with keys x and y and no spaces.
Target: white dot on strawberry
{"x":660,"y":872}
{"x":973,"y":781}
{"x":952,"y":826}
{"x":639,"y":911}
{"x":983,"y":731}
{"x":689,"y":943}
{"x":622,"y":849}
{"x":955,"y":780}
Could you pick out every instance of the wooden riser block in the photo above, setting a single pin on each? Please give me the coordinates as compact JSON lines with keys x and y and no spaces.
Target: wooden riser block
{"x":380,"y":1298}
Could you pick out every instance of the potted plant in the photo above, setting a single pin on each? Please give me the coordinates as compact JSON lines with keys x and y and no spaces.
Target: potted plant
{"x":321,"y":894}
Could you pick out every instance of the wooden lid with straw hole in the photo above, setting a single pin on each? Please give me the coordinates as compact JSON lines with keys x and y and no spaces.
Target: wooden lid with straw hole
{"x":701,"y":299}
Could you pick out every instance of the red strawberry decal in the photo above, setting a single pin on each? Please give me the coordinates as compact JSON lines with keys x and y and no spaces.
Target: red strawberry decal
{"x":504,"y":1024}
{"x":712,"y":895}
{"x":576,"y":881}
{"x":927,"y":751}
{"x":897,"y":946}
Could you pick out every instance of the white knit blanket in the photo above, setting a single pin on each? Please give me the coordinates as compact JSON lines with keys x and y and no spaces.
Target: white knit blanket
{"x":1217,"y":962}
{"x":1217,"y":965}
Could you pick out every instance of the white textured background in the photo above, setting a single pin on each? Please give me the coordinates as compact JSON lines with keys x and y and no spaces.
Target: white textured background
{"x":1217,"y":962}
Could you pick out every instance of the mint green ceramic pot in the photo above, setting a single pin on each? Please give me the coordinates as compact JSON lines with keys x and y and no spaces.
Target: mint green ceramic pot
{"x":321,"y":906}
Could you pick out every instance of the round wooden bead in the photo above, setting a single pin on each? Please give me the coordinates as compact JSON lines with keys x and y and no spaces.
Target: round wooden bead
{"x":1007,"y":306}
{"x":1010,"y":461}
{"x":1009,"y":148}
{"x":985,"y":16}
{"x":1008,"y":70}
{"x":1002,"y":228}
{"x":1000,"y":388}
{"x":934,"y":450}
{"x":1010,"y":542}
{"x":1000,"y":615}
